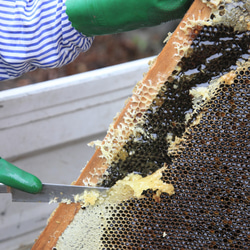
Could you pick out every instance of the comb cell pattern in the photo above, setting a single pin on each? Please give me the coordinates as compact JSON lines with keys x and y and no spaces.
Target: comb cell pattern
{"x":209,"y":209}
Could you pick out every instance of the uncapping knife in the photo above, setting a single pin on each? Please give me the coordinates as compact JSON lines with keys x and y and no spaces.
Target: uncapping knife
{"x":50,"y":193}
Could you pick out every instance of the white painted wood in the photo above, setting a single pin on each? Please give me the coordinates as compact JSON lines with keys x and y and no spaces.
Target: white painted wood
{"x":45,"y":128}
{"x":54,"y":112}
{"x":21,"y":223}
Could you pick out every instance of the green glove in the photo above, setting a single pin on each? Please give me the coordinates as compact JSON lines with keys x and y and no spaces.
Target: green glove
{"x":99,"y":17}
{"x":13,"y":176}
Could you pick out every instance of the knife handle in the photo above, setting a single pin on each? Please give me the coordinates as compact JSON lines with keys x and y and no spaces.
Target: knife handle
{"x":15,"y":177}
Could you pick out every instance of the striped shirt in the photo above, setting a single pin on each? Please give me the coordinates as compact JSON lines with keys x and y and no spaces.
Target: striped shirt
{"x":36,"y":34}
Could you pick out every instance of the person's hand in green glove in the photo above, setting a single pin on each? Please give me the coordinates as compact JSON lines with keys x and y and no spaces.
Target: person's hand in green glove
{"x":48,"y":40}
{"x":99,"y":17}
{"x":15,"y":177}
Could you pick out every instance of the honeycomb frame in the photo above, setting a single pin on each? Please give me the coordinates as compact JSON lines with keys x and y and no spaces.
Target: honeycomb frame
{"x":145,"y":94}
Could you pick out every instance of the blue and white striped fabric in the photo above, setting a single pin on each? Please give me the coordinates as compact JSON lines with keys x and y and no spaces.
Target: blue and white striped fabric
{"x":36,"y":33}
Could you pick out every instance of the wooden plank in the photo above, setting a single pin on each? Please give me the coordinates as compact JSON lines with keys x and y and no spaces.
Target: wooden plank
{"x":162,"y":67}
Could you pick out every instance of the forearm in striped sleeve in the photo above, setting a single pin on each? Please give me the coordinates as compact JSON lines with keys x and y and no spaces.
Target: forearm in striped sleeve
{"x":36,"y":34}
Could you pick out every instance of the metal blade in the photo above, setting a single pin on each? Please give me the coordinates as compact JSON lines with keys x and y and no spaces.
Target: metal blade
{"x":52,"y":192}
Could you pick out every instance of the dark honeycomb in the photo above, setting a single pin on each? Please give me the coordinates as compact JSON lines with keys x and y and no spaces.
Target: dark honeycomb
{"x":213,"y":53}
{"x":210,"y":207}
{"x":210,"y":172}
